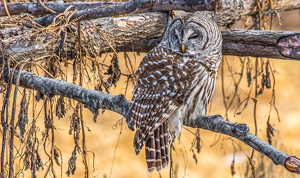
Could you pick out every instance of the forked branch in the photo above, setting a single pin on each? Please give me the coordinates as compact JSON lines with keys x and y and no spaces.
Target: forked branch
{"x":95,"y":100}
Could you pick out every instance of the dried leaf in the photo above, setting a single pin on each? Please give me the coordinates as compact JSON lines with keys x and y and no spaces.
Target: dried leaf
{"x":39,"y":95}
{"x":114,"y":71}
{"x":249,"y":69}
{"x":23,"y":115}
{"x":232,"y":170}
{"x":47,"y":121}
{"x":270,"y":132}
{"x":72,"y":163}
{"x":56,"y":156}
{"x":267,"y":78}
{"x":195,"y":158}
{"x":60,"y":107}
{"x":74,"y":123}
{"x":196,"y":145}
{"x":52,"y":66}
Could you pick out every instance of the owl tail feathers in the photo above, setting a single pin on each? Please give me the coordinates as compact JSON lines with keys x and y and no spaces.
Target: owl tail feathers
{"x":138,"y":143}
{"x":156,"y":150}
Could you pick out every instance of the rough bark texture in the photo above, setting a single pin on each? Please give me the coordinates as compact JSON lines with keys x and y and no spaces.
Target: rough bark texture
{"x":92,"y":99}
{"x":262,"y":43}
{"x":137,"y":33}
{"x":35,"y":8}
{"x":141,"y":33}
{"x":132,"y":7}
{"x":216,"y":123}
{"x":231,"y":12}
{"x":95,"y":100}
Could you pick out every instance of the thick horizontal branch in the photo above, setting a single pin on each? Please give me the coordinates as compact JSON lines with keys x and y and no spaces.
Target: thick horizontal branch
{"x":35,"y":8}
{"x":255,"y":43}
{"x":134,"y":7}
{"x":143,"y":32}
{"x":95,"y":100}
{"x":262,"y":43}
{"x":232,"y":9}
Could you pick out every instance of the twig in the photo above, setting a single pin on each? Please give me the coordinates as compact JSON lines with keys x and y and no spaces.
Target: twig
{"x":6,"y":9}
{"x":120,"y":122}
{"x":12,"y":123}
{"x":45,"y":7}
{"x":4,"y":122}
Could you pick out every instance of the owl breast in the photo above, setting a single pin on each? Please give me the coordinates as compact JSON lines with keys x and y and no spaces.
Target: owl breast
{"x":195,"y":103}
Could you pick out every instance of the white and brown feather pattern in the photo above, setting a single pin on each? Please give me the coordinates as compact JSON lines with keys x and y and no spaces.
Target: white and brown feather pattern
{"x":172,"y":88}
{"x":164,"y":81}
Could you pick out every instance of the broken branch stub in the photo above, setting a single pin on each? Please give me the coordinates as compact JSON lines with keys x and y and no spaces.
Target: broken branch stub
{"x":292,"y":164}
{"x":289,"y":46}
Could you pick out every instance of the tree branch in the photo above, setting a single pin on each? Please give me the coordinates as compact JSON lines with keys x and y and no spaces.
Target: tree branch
{"x":95,"y":100}
{"x":233,"y":10}
{"x":216,"y":123}
{"x":35,"y":8}
{"x":262,"y":43}
{"x":92,"y":99}
{"x":134,"y":7}
{"x":143,"y":32}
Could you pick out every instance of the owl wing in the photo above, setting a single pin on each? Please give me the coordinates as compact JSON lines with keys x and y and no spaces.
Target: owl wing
{"x":157,"y":95}
{"x":165,"y":80}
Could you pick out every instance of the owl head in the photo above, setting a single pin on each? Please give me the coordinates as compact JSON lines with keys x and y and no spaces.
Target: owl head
{"x":192,"y":34}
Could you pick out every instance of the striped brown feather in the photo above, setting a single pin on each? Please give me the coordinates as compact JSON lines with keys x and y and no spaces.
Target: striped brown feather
{"x":163,"y":86}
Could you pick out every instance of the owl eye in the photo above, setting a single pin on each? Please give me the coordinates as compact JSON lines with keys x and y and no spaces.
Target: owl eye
{"x":194,"y":36}
{"x":175,"y":37}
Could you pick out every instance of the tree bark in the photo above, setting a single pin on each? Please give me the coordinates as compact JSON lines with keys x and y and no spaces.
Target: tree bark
{"x":232,"y":10}
{"x":133,"y":7}
{"x":95,"y":100}
{"x":141,"y":33}
{"x":262,"y":43}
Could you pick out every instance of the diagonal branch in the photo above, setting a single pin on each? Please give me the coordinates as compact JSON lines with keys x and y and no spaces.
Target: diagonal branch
{"x":95,"y":100}
{"x":216,"y":123}
{"x":92,"y":99}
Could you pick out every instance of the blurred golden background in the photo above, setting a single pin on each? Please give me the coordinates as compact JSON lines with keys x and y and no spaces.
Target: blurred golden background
{"x":109,"y":141}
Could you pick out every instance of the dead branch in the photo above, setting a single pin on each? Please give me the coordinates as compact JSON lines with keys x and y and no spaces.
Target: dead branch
{"x":134,"y":7}
{"x":233,"y":10}
{"x":92,"y":99}
{"x":95,"y":100}
{"x":34,"y":8}
{"x":262,"y":43}
{"x":143,"y":32}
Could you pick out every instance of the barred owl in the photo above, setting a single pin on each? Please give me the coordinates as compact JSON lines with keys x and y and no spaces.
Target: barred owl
{"x":176,"y":81}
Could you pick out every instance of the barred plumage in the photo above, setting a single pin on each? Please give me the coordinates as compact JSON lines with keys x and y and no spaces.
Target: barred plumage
{"x":176,"y":82}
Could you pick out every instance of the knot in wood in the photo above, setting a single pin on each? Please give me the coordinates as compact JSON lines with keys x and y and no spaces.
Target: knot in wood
{"x":240,"y":129}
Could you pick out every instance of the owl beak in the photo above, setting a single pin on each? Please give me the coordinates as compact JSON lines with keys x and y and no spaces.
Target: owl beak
{"x":182,"y":48}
